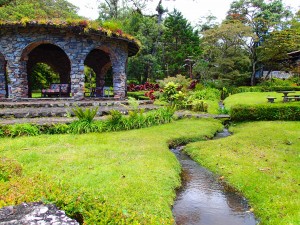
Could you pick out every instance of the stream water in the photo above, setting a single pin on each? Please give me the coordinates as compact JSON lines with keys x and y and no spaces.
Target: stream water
{"x":202,"y":200}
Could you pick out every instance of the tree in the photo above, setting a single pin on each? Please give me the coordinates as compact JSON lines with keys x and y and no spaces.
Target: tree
{"x":37,"y":9}
{"x":42,"y":76}
{"x":262,"y":17}
{"x":145,"y":65}
{"x":273,"y":53}
{"x":179,"y":42}
{"x":225,"y":52}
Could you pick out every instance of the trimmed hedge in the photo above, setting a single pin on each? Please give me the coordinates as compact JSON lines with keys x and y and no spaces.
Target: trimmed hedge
{"x":264,"y":89}
{"x":139,"y":95}
{"x":265,"y":112}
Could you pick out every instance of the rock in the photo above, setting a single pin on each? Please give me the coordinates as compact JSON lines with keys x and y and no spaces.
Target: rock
{"x":35,"y":213}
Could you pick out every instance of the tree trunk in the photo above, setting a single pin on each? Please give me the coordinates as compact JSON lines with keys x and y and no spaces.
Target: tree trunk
{"x":252,"y":83}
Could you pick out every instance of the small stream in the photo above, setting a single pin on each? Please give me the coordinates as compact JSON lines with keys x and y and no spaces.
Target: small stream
{"x":202,"y":200}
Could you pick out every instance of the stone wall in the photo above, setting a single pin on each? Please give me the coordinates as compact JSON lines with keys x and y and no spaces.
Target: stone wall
{"x":2,"y":77}
{"x":17,"y":43}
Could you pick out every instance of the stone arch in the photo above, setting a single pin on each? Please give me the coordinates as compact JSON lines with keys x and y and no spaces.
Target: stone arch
{"x":50,"y":54}
{"x":99,"y":60}
{"x":3,"y":77}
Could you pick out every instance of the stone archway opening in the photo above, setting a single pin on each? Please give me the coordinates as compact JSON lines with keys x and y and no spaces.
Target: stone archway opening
{"x":50,"y":62}
{"x":3,"y":78}
{"x":98,"y":64}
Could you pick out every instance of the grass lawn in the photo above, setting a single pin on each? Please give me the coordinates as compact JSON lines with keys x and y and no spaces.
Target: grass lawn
{"x":250,"y":98}
{"x":262,"y":160}
{"x":103,"y":178}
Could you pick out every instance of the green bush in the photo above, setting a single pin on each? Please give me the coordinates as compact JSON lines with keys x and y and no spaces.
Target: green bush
{"x":87,"y":115}
{"x":25,"y":129}
{"x":82,"y":127}
{"x":275,"y":82}
{"x":180,"y":80}
{"x":265,"y":112}
{"x":59,"y":128}
{"x":199,"y":106}
{"x":205,"y":94}
{"x":139,"y":95}
{"x":116,"y":122}
{"x":246,"y":89}
{"x":9,"y":168}
{"x":264,"y":89}
{"x":136,"y":120}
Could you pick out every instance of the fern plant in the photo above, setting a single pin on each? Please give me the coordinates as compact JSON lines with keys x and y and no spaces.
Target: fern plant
{"x":87,"y":115}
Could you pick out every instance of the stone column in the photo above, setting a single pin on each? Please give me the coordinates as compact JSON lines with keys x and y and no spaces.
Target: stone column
{"x":17,"y":75}
{"x":118,"y":56}
{"x":77,"y":79}
{"x":2,"y":77}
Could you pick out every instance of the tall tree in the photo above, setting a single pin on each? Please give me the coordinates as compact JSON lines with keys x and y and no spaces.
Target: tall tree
{"x":262,"y":17}
{"x":145,"y":65}
{"x":109,"y":9}
{"x":226,"y":52}
{"x":274,"y":51}
{"x":179,"y":42}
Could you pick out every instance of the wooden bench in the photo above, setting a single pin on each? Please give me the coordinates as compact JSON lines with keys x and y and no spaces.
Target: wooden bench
{"x":271,"y":99}
{"x":57,"y":90}
{"x":289,"y":98}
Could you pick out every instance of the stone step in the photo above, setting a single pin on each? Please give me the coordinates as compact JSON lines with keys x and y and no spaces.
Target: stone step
{"x":49,"y":103}
{"x":27,"y":112}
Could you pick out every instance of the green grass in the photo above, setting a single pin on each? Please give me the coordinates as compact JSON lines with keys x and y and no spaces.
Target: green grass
{"x":118,"y":177}
{"x":262,"y":160}
{"x":250,"y":98}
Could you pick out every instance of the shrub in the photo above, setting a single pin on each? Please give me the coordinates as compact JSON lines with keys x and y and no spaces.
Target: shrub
{"x":85,"y":123}
{"x":199,"y":106}
{"x":25,"y":129}
{"x":143,"y":87}
{"x":206,"y":94}
{"x":180,"y":80}
{"x":59,"y":128}
{"x":170,"y":91}
{"x":114,"y":122}
{"x":150,"y":94}
{"x":275,"y":82}
{"x":265,"y":112}
{"x":82,"y":127}
{"x":85,"y":114}
{"x":140,"y":95}
{"x":264,"y":89}
{"x":246,"y":89}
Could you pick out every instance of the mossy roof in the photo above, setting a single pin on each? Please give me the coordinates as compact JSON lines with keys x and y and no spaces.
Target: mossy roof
{"x":79,"y":27}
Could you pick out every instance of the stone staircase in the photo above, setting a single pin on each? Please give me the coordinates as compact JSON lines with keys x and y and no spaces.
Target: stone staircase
{"x":55,"y":110}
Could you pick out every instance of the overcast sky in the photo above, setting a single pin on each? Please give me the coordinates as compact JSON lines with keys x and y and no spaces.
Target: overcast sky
{"x":192,"y":10}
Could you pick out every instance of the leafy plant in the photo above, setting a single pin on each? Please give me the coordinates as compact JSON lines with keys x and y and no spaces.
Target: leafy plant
{"x":179,"y":80}
{"x":206,"y":94}
{"x":25,"y":129}
{"x":199,"y":106}
{"x":114,"y":122}
{"x":82,"y":126}
{"x":170,"y":91}
{"x":85,"y":114}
